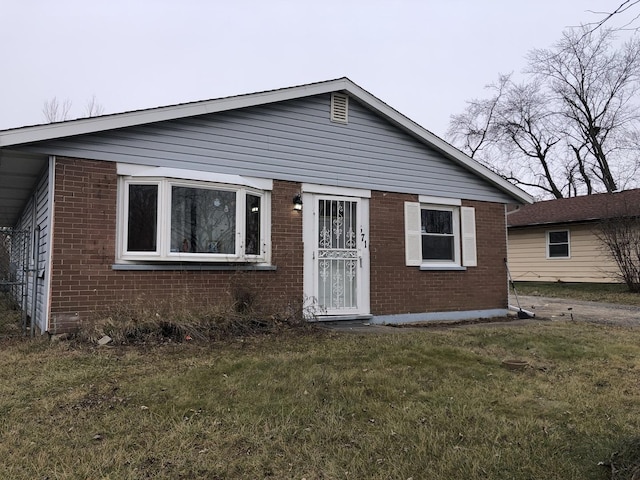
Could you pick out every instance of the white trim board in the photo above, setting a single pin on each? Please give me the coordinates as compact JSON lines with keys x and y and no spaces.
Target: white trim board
{"x":131,"y":170}
{"x":335,"y":191}
{"x":439,"y":200}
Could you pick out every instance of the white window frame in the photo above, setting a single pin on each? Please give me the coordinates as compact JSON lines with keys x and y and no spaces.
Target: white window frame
{"x":463,"y":228}
{"x":455,"y":228}
{"x":568,"y":242}
{"x":163,"y":251}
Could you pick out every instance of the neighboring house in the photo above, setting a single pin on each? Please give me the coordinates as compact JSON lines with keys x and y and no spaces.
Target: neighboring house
{"x":319,"y":193}
{"x":557,"y":240}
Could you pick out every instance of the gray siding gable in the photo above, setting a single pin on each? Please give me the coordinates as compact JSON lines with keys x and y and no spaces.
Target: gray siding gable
{"x":289,"y":140}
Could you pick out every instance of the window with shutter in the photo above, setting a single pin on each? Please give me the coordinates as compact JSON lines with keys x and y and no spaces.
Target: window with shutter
{"x":440,"y":236}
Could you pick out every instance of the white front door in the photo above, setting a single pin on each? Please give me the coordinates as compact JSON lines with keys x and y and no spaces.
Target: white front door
{"x":337,"y":255}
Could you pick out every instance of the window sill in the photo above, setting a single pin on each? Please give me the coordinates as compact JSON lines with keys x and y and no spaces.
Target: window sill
{"x":191,"y":267}
{"x":445,"y":268}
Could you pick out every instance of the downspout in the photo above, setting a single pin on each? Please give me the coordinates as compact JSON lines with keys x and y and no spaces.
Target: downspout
{"x":34,"y":299}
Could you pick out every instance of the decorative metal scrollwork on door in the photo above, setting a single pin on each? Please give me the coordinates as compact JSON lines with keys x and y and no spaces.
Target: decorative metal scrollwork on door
{"x":337,"y":254}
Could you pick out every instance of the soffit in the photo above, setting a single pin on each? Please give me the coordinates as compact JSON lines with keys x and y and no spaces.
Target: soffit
{"x":19,"y":175}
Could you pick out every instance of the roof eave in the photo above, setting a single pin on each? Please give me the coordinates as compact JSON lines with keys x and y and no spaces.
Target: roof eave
{"x":36,"y":133}
{"x":436,"y":142}
{"x":550,"y":224}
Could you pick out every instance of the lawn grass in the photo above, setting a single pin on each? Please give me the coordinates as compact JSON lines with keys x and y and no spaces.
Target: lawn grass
{"x":420,"y":404}
{"x":594,"y":292}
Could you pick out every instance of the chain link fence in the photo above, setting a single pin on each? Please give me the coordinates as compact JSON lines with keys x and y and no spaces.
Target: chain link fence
{"x":14,"y":269}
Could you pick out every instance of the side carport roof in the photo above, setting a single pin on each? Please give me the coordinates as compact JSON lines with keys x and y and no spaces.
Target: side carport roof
{"x":10,"y":164}
{"x":19,"y":173}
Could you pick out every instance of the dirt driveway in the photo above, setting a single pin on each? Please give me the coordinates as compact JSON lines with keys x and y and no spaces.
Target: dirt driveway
{"x":580,"y":311}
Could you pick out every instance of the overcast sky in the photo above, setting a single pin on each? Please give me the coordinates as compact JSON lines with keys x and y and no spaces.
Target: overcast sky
{"x":424,"y":58}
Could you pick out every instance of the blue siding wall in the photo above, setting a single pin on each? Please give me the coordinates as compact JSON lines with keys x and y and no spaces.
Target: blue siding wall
{"x":292,"y":140}
{"x":37,"y":213}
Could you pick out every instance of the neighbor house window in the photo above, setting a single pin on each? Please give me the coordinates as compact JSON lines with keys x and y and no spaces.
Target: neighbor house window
{"x":558,"y":244}
{"x":440,"y":236}
{"x":165,"y":219}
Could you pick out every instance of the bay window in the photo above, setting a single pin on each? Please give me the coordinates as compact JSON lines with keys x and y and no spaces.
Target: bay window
{"x":167,"y":219}
{"x":203,"y":220}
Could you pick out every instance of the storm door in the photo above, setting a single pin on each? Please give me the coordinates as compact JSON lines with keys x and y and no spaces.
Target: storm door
{"x":339,"y":257}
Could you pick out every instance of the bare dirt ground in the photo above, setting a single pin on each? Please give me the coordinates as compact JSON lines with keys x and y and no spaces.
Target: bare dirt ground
{"x":580,"y":311}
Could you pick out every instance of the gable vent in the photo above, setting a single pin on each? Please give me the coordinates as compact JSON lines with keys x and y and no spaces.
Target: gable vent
{"x":339,"y":108}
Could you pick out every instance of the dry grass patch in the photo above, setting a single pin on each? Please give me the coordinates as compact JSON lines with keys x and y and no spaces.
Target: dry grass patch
{"x":10,"y":316}
{"x":180,"y":319}
{"x":592,"y":292}
{"x":430,"y":404}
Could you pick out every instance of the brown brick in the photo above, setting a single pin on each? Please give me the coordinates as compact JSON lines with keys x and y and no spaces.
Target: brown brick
{"x":396,"y":288}
{"x":84,"y":282}
{"x":84,"y":243}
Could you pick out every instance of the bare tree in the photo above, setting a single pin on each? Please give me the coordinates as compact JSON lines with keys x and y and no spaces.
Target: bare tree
{"x":626,"y":7}
{"x":512,"y":133}
{"x":570,"y":128}
{"x":473,"y":129}
{"x":93,"y":108}
{"x":54,"y":111}
{"x":593,"y":87}
{"x":527,"y":132}
{"x":621,"y":238}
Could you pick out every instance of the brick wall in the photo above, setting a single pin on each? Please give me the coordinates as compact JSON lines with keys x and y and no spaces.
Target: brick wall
{"x":397,"y":289}
{"x":84,"y":245}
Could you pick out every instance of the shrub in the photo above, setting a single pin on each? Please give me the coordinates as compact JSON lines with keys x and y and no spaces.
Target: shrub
{"x":621,"y":238}
{"x":177,"y":320}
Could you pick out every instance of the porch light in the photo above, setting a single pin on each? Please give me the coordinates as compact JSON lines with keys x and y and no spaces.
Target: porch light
{"x":297,"y":202}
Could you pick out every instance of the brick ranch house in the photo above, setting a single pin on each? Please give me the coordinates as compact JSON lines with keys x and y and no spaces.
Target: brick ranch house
{"x":319,"y":192}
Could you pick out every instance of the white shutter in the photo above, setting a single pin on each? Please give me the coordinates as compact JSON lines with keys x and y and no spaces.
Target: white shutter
{"x":412,"y":234}
{"x":468,"y":224}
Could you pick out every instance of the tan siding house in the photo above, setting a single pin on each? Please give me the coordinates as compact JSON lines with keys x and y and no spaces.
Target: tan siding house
{"x":587,"y":261}
{"x":556,"y":240}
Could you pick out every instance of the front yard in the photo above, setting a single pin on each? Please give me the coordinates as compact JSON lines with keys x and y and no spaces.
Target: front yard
{"x":436,"y":404}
